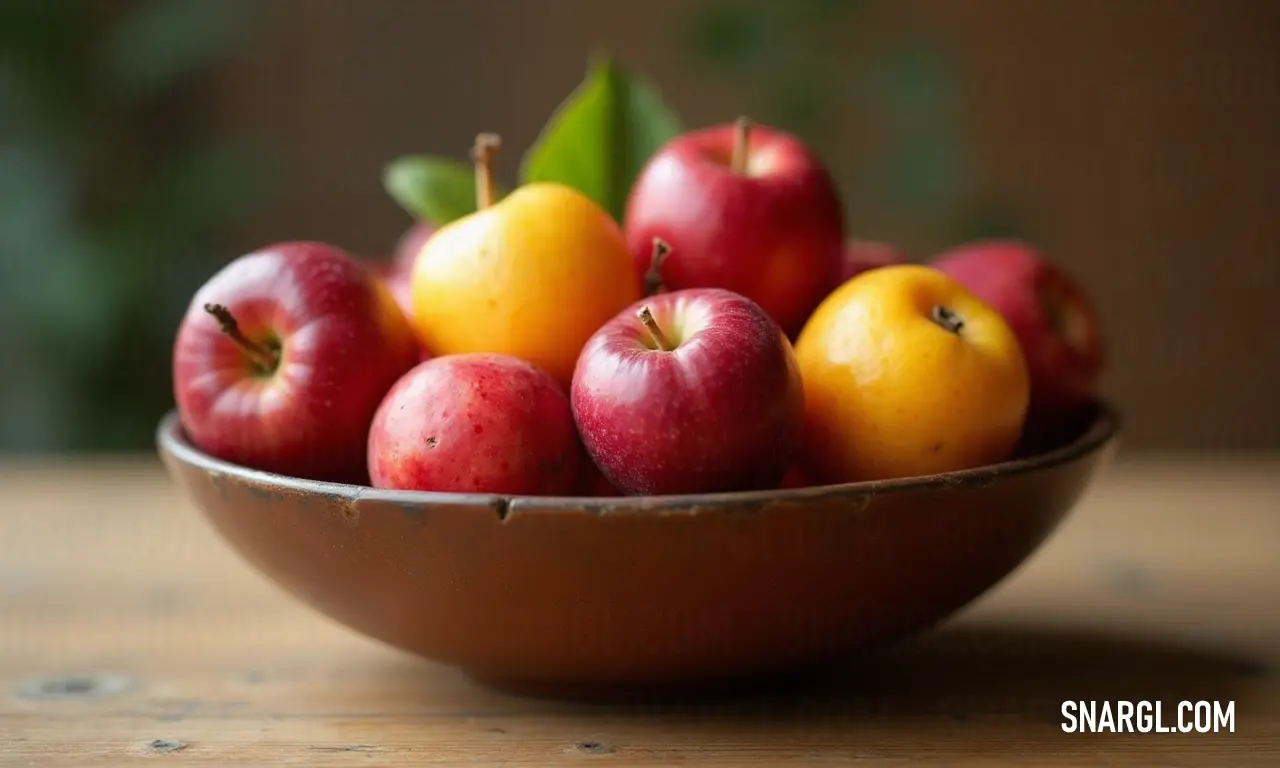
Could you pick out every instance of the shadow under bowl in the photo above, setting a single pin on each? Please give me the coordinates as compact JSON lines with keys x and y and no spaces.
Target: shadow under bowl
{"x":579,"y":596}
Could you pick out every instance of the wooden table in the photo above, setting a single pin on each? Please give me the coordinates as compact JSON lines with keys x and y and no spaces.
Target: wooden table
{"x":129,"y":634}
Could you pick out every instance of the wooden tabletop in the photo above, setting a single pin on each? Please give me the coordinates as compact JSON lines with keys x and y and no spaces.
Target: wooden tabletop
{"x":130,"y":634}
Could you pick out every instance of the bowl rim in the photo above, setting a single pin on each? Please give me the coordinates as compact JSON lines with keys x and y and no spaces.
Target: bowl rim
{"x":1102,"y":431}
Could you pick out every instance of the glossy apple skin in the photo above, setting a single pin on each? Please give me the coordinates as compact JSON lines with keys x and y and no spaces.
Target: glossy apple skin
{"x":1065,"y":357}
{"x":476,"y":423}
{"x":774,"y":234}
{"x":343,"y":342}
{"x":864,"y":255}
{"x":594,"y":484}
{"x":723,"y":411}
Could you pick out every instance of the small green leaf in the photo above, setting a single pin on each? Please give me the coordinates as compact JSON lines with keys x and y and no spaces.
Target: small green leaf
{"x":434,"y":189}
{"x":600,"y":138}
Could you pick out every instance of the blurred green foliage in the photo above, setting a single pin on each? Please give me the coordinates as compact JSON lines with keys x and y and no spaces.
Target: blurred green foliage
{"x":914,"y":181}
{"x":110,"y":200}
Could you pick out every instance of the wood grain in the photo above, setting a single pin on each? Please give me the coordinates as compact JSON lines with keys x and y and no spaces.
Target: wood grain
{"x":129,"y":634}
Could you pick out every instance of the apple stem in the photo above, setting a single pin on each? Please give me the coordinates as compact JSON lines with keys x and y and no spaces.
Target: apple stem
{"x":486,"y":146}
{"x":262,"y":356}
{"x":653,"y":276}
{"x":741,"y":143}
{"x":651,"y":325}
{"x":947,"y":318}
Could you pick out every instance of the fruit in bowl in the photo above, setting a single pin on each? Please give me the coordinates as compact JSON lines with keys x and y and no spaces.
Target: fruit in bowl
{"x":514,"y":576}
{"x":746,"y":208}
{"x":586,"y":488}
{"x":532,"y":275}
{"x":1053,"y":318}
{"x":691,"y":391}
{"x":284,"y":355}
{"x":594,"y":484}
{"x":907,"y":373}
{"x":475,"y":423}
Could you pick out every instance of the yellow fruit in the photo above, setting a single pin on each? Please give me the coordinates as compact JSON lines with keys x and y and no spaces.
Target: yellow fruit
{"x":532,"y":276}
{"x":907,"y":373}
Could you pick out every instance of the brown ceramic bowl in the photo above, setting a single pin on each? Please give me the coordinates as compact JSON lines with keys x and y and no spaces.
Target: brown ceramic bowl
{"x":592,"y":594}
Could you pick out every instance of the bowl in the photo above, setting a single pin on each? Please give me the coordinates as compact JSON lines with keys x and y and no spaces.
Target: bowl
{"x":579,"y":596}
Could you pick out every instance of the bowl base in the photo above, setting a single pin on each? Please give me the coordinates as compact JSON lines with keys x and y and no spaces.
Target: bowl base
{"x":647,"y":598}
{"x":789,"y":681}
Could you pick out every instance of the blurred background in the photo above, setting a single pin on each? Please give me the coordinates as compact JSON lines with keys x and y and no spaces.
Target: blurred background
{"x":145,"y":143}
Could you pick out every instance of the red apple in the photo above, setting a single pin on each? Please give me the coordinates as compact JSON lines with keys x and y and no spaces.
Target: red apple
{"x":745,"y":208}
{"x":691,"y":391}
{"x":1049,"y":312}
{"x":282,"y":359}
{"x":864,"y":255}
{"x":594,"y":483}
{"x":476,"y":423}
{"x":794,"y":478}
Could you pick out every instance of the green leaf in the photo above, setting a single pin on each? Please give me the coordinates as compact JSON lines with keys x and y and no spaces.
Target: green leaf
{"x":434,"y":189}
{"x":600,"y":138}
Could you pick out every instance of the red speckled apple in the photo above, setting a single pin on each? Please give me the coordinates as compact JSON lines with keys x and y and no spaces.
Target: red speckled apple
{"x":282,"y":359}
{"x":745,"y":208}
{"x":692,"y":391}
{"x":476,"y":423}
{"x":594,"y":483}
{"x":1049,"y":312}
